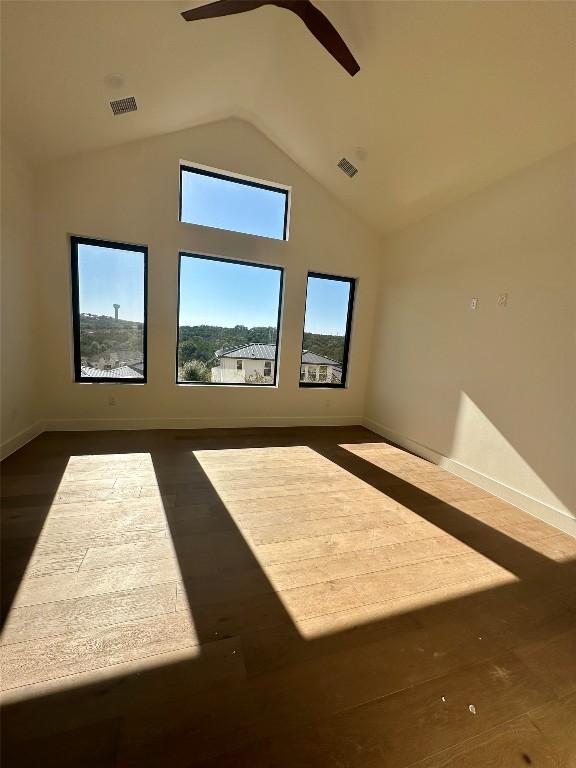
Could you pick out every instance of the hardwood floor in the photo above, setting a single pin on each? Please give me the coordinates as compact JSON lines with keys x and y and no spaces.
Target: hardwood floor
{"x":307,"y":598}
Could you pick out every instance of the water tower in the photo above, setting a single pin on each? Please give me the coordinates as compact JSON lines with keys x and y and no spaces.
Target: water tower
{"x":116,"y":308}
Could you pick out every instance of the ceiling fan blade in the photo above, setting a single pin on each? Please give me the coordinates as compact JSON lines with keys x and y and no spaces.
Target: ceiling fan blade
{"x":321,"y":27}
{"x":222,"y":8}
{"x":324,"y":31}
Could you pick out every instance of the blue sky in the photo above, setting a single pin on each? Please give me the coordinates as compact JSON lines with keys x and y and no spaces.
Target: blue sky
{"x":326,"y":306}
{"x":227,"y":294}
{"x":231,"y":205}
{"x":212,"y":292}
{"x":108,"y":276}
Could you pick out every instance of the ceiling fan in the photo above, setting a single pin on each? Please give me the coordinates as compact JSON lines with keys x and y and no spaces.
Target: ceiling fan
{"x":317,"y":23}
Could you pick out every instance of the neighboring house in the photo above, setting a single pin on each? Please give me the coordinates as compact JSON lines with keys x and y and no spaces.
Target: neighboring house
{"x":317,"y":368}
{"x":255,"y":363}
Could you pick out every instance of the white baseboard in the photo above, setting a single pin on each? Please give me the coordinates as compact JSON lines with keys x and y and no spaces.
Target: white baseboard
{"x":222,"y":422}
{"x":20,"y":440}
{"x":551,"y":515}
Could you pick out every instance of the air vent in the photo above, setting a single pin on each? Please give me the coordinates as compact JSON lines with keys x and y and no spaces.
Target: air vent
{"x":347,"y":167}
{"x":120,"y":106}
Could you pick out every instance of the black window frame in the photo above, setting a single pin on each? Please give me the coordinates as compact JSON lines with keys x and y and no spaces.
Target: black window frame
{"x":191,"y":168}
{"x":75,"y":241}
{"x":226,"y":260}
{"x":345,"y":354}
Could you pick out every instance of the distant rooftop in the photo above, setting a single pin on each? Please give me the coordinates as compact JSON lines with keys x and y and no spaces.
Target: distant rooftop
{"x":314,"y":359}
{"x":123,"y":372}
{"x":251,"y":351}
{"x":268,"y":352}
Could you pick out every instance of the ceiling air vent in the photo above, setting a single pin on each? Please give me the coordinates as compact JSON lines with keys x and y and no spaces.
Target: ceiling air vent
{"x":347,"y":167}
{"x":120,"y":106}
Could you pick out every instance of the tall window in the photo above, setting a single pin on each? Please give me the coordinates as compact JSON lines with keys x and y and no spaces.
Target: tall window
{"x":109,"y":310}
{"x":237,"y":203}
{"x":225,"y":335}
{"x":326,"y":339}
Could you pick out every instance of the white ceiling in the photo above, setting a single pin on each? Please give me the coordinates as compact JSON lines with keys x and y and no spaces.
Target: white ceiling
{"x":451,"y":95}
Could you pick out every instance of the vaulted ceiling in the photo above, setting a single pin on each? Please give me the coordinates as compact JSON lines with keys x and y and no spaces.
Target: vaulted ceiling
{"x":451,"y":95}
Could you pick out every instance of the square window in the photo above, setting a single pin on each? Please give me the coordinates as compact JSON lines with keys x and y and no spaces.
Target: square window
{"x":224,"y":335}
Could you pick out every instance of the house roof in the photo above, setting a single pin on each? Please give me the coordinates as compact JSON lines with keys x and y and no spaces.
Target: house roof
{"x":314,"y":359}
{"x":268,"y":352}
{"x":251,"y":352}
{"x":123,"y":372}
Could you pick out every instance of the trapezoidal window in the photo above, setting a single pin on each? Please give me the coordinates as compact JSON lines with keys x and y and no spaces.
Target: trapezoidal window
{"x":327,"y":324}
{"x":109,"y":311}
{"x":237,"y":203}
{"x":228,"y":321}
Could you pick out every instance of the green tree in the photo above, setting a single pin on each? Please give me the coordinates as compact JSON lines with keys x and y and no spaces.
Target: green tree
{"x":195,"y":370}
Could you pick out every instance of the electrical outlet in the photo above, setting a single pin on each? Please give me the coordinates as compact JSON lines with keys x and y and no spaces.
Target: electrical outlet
{"x":503,"y":300}
{"x":111,"y":400}
{"x":473,"y":303}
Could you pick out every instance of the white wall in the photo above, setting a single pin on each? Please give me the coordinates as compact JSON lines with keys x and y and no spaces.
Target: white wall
{"x":20,"y":391}
{"x":493,"y":389}
{"x":130,"y":193}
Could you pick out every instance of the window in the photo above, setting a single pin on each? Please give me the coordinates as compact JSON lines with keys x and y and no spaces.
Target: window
{"x":109,"y":311}
{"x":236,"y":203}
{"x":225,"y":336}
{"x":326,"y":338}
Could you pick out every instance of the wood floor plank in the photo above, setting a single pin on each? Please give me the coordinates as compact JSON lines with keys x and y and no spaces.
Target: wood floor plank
{"x":33,"y":661}
{"x":62,"y":617}
{"x":346,"y":541}
{"x":47,"y":589}
{"x":373,"y":514}
{"x":515,"y":744}
{"x":398,"y":729}
{"x":91,"y":746}
{"x":271,"y":533}
{"x":555,"y":660}
{"x":329,"y":567}
{"x":47,"y":563}
{"x":555,"y":721}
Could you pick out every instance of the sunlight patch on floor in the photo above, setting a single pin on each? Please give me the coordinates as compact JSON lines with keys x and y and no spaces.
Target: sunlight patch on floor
{"x":333,"y":547}
{"x":100,"y":586}
{"x":449,"y":489}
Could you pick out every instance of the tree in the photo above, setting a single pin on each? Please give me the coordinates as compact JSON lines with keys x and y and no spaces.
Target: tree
{"x":195,"y":370}
{"x":187,"y":351}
